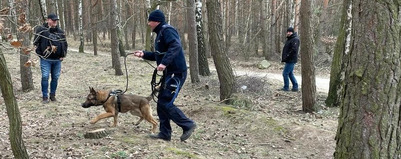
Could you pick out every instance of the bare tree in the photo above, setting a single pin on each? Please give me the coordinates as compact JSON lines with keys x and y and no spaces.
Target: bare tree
{"x":202,"y":57}
{"x":43,"y":8}
{"x":94,"y":8}
{"x":307,"y":61}
{"x":115,"y":56}
{"x":14,"y":117}
{"x":193,"y":43}
{"x":221,"y":60}
{"x":369,"y":122}
{"x":338,"y":66}
{"x":80,"y":27}
{"x":23,"y":36}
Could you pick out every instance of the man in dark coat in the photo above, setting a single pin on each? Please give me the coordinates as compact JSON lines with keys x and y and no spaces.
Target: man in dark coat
{"x":51,"y":47}
{"x":170,"y":59}
{"x":290,"y":57}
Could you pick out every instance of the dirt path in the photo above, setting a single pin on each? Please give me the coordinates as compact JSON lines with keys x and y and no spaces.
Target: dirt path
{"x":322,"y":84}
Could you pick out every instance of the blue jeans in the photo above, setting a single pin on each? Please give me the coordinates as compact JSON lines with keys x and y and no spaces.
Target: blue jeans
{"x":53,"y":68}
{"x":167,"y":111}
{"x":288,"y":72}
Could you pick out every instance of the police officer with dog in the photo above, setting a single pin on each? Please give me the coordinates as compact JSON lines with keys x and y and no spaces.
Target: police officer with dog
{"x":170,"y":59}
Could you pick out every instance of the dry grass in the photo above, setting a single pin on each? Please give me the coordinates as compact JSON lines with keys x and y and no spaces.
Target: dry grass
{"x":272,"y":125}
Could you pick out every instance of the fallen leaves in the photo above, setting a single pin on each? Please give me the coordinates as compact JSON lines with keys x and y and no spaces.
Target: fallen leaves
{"x":16,"y":44}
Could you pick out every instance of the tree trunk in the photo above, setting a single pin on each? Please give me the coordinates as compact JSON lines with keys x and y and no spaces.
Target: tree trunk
{"x":307,"y":61}
{"x":369,"y":122}
{"x":14,"y":117}
{"x":120,"y":32}
{"x":94,"y":3}
{"x":134,"y":25}
{"x":80,"y":27}
{"x":26,"y":72}
{"x":43,"y":8}
{"x":202,"y":57}
{"x":339,"y":65}
{"x":273,"y":23}
{"x":115,"y":56}
{"x":264,"y":32}
{"x":193,"y":43}
{"x":221,"y":60}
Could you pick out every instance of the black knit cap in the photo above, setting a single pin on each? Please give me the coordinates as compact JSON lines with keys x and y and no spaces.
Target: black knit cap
{"x":290,"y":29}
{"x":157,"y":16}
{"x":52,"y":16}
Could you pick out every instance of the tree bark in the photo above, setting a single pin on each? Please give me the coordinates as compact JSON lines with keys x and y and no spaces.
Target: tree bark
{"x":26,"y":72}
{"x":80,"y":27}
{"x":307,"y":61}
{"x":94,"y":5}
{"x":202,"y":57}
{"x":14,"y":117}
{"x":221,"y":60}
{"x":193,"y":43}
{"x":369,"y":122}
{"x":115,"y":56}
{"x":339,"y":65}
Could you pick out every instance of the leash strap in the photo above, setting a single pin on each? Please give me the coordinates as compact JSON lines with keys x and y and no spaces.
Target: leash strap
{"x":154,"y":84}
{"x":118,"y":103}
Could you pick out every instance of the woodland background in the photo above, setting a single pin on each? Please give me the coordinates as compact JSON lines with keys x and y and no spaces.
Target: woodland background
{"x":230,"y":36}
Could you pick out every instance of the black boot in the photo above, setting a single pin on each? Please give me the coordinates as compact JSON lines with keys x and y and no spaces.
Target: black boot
{"x":186,"y":134}
{"x":158,"y":136}
{"x":45,"y":100}
{"x":53,"y":97}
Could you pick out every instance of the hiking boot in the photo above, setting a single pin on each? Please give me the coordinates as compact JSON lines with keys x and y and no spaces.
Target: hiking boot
{"x":186,"y":134}
{"x":158,"y":136}
{"x":53,"y":98}
{"x":294,"y":90}
{"x":283,"y":89}
{"x":45,"y":100}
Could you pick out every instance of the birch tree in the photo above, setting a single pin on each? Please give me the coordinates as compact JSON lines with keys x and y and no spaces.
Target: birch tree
{"x":43,"y":9}
{"x":202,"y":57}
{"x":80,"y":27}
{"x":193,"y":43}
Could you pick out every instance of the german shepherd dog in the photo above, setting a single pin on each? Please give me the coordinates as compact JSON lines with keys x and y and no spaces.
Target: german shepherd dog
{"x":136,"y":105}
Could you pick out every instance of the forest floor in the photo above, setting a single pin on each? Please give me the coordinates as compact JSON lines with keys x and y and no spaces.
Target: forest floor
{"x":267,"y":123}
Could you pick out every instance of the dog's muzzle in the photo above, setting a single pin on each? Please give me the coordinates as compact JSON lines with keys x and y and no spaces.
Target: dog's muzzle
{"x":86,"y":105}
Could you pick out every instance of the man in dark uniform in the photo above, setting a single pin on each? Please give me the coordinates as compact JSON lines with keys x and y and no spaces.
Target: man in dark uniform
{"x":170,"y":59}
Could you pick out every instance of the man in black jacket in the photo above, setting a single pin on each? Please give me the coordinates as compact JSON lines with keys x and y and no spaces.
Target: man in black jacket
{"x":290,"y":57}
{"x":170,"y":59}
{"x":51,"y":47}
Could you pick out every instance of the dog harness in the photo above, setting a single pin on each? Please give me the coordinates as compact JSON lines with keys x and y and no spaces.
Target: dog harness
{"x":117,"y":100}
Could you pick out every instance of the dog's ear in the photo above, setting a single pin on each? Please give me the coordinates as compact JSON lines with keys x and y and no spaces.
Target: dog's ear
{"x":92,"y":90}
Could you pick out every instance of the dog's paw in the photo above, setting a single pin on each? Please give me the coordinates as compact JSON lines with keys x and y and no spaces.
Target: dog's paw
{"x":92,"y":122}
{"x":112,"y":125}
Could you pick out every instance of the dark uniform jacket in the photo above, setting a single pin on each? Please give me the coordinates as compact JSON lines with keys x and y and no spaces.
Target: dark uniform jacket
{"x":46,"y":37}
{"x":290,"y":50}
{"x":168,"y":49}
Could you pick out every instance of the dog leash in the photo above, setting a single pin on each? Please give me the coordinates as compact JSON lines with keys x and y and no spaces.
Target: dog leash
{"x":126,"y":70}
